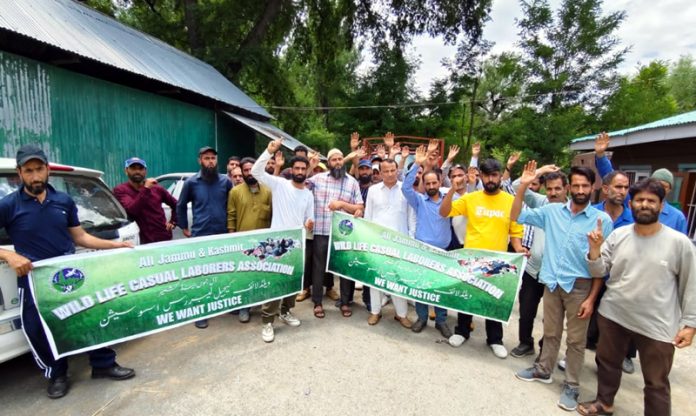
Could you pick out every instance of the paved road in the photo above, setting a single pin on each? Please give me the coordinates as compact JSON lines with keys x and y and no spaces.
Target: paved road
{"x":334,"y":366}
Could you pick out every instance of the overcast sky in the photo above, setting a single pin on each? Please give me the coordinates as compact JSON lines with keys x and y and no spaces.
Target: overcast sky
{"x":654,"y":29}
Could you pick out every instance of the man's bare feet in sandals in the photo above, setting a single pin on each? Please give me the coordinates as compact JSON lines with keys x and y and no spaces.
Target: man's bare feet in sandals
{"x":319,"y":311}
{"x":594,"y":408}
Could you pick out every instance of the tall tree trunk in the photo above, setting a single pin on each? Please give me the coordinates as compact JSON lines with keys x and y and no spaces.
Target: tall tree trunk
{"x":256,"y":34}
{"x":191,"y":22}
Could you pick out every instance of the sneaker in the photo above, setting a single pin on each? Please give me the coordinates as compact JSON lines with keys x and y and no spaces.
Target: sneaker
{"x":332,"y":294}
{"x":522,"y":350}
{"x":202,"y":324}
{"x":244,"y":315}
{"x":562,"y":364}
{"x":499,"y":350}
{"x":627,"y":366}
{"x":444,"y":330}
{"x":58,"y":387}
{"x":418,"y":325}
{"x":569,"y":398}
{"x":289,"y":319}
{"x":267,"y":333}
{"x":456,"y":340}
{"x":532,"y":374}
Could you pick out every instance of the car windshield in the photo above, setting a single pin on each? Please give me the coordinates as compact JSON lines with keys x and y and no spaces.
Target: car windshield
{"x":97,"y":209}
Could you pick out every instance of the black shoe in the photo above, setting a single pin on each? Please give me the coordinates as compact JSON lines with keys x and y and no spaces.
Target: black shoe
{"x":58,"y":387}
{"x":444,"y":330}
{"x":522,"y":350}
{"x":419,"y":325}
{"x":202,"y":324}
{"x":115,"y":373}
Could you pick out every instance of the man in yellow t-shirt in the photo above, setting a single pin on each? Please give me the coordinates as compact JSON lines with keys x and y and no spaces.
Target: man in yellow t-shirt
{"x":488,"y":227}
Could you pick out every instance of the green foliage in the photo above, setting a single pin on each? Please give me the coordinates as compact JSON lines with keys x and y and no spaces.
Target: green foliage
{"x":639,"y":100}
{"x":682,"y":83}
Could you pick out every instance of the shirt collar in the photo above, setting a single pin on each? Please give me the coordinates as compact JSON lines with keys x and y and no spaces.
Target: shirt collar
{"x":25,"y":196}
{"x":584,"y":211}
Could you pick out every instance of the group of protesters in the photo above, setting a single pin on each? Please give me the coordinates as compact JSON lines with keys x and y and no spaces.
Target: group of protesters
{"x":619,"y":275}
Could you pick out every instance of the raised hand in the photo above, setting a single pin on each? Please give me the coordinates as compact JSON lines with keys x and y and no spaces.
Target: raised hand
{"x":279,"y":158}
{"x":394,"y":150}
{"x":528,"y":173}
{"x":458,"y":182}
{"x":274,"y":145}
{"x":381,"y":152}
{"x":360,"y":152}
{"x":601,"y":144}
{"x":314,"y":159}
{"x":389,"y":140}
{"x":514,"y":157}
{"x":433,"y":145}
{"x":421,"y":155}
{"x":354,"y":140}
{"x":547,"y":169}
{"x":476,"y":150}
{"x":595,"y":237}
{"x":453,"y":152}
{"x":405,"y":151}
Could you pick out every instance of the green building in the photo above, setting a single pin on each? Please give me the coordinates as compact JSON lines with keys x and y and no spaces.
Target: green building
{"x":93,"y":92}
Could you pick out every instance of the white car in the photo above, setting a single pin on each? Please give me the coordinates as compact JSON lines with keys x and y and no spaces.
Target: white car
{"x":100,"y":215}
{"x":173,"y":183}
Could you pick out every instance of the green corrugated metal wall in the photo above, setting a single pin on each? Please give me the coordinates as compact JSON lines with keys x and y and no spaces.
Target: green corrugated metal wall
{"x":84,"y":121}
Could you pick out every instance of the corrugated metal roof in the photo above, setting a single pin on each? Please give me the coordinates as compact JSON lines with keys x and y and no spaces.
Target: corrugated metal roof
{"x":269,"y":130}
{"x":73,"y":27}
{"x":677,"y":120}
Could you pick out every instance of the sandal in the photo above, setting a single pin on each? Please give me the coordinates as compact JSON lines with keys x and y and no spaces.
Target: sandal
{"x":595,"y":408}
{"x":346,"y":312}
{"x":319,"y":311}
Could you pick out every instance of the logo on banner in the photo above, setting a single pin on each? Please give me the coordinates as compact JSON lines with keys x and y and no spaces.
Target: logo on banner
{"x":345,"y":227}
{"x":68,"y":280}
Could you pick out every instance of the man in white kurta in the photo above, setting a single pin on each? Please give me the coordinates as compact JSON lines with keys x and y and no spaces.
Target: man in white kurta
{"x":387,"y":206}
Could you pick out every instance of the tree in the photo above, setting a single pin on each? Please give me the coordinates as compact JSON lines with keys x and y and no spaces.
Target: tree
{"x":641,"y":99}
{"x":682,"y":83}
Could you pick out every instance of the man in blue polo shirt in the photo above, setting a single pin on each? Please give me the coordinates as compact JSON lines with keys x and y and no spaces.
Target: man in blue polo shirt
{"x":42,"y":223}
{"x":207,"y":191}
{"x":670,"y":216}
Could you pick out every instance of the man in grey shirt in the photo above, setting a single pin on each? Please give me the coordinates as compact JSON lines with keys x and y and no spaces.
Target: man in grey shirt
{"x":650,"y":300}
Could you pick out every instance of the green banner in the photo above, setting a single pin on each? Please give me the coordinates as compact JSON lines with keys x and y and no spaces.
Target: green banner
{"x":99,"y":298}
{"x":477,"y":282}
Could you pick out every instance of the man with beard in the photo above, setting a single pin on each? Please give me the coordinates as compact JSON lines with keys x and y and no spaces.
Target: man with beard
{"x":364,"y":177}
{"x":532,"y":290}
{"x":570,"y":290}
{"x":248,"y":208}
{"x":670,"y":216}
{"x":207,"y":191}
{"x":615,"y":189}
{"x":488,"y":227}
{"x":42,"y":223}
{"x":387,"y":206}
{"x":143,"y":198}
{"x":334,"y":190}
{"x":650,"y":300}
{"x":430,"y":228}
{"x":293,"y":207}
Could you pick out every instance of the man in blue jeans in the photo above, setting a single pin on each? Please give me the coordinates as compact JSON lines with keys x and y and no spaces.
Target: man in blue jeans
{"x":431,"y":228}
